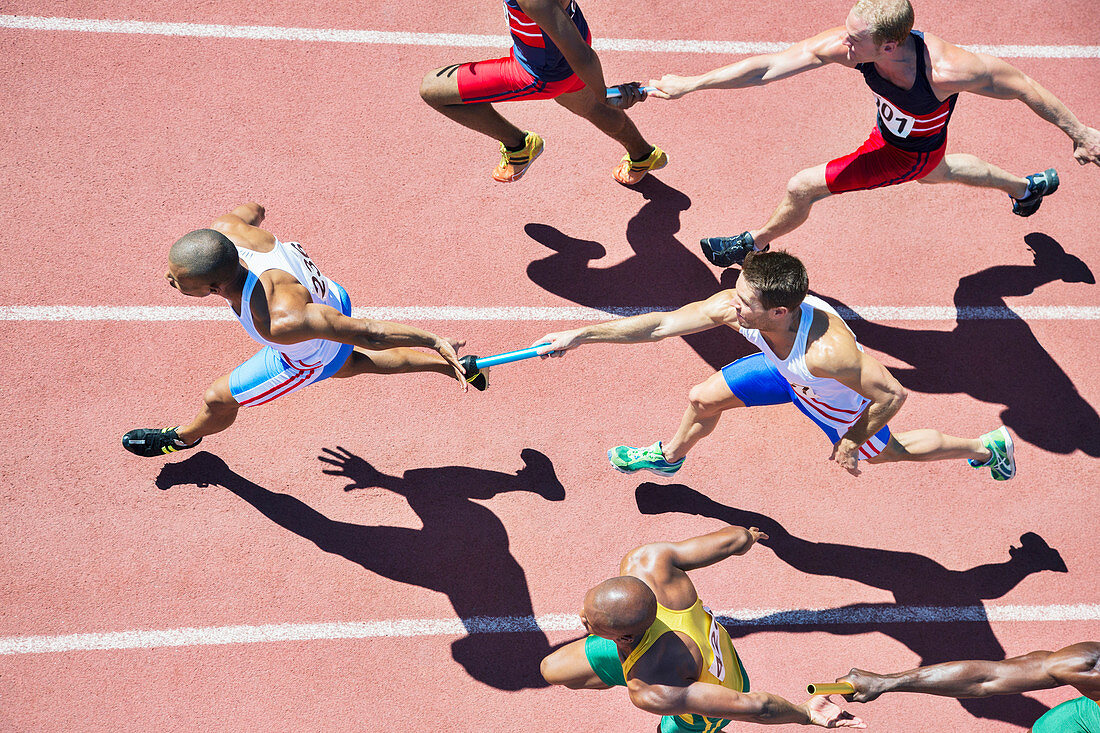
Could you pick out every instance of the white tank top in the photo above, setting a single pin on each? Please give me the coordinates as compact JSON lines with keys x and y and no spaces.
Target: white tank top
{"x":825,"y":397}
{"x":290,"y":258}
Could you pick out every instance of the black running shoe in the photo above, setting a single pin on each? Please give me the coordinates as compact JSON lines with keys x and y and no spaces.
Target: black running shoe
{"x":477,"y":378}
{"x":1038,"y":186}
{"x":727,"y":251}
{"x":151,"y":442}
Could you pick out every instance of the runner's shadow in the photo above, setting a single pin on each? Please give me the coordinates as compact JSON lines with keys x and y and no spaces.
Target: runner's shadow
{"x":1000,"y":360}
{"x":662,"y":272}
{"x":462,"y":550}
{"x":914,"y":580}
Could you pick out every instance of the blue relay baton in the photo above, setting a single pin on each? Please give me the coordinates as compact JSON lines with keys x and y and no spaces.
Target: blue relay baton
{"x":613,"y":92}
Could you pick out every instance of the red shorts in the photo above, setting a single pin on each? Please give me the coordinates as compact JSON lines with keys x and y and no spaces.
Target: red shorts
{"x":877,"y":163}
{"x":504,"y":80}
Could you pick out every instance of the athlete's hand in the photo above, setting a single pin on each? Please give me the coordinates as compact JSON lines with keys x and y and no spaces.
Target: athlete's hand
{"x":448,"y":348}
{"x":868,"y":685}
{"x":827,"y":714}
{"x":844,"y":455}
{"x":556,"y":344}
{"x":629,"y":95}
{"x":755,"y":535}
{"x":670,"y":86}
{"x":1086,"y":148}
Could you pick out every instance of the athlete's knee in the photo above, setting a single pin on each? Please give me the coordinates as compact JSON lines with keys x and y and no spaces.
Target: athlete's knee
{"x":554,"y":671}
{"x":706,"y":399}
{"x":219,"y":399}
{"x":437,"y":86}
{"x":807,"y":184}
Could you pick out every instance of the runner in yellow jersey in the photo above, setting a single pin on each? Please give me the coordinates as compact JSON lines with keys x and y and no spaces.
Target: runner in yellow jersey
{"x":649,"y":632}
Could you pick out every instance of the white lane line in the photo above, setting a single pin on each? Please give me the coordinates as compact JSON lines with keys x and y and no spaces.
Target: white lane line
{"x":461,"y":40}
{"x":215,"y":635}
{"x":150,"y":313}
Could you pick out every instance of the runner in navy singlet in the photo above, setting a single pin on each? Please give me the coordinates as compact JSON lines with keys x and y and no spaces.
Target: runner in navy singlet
{"x":915,"y":78}
{"x":551,"y":58}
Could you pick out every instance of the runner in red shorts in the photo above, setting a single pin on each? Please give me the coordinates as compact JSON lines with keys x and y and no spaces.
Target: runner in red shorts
{"x":916,"y":79}
{"x":551,"y":58}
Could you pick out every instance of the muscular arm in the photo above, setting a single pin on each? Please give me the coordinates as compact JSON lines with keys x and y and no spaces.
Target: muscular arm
{"x":959,"y":70}
{"x":553,"y":19}
{"x":715,"y":701}
{"x":242,"y":225}
{"x":663,"y":566}
{"x":837,"y":357}
{"x":824,"y":48}
{"x":692,"y":318}
{"x":1075,"y":665}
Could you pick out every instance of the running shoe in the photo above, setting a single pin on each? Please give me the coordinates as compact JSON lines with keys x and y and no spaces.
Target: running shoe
{"x":513,"y":165}
{"x":628,"y":172}
{"x":1002,"y":464}
{"x":1038,"y":186}
{"x":727,"y":251}
{"x":150,"y":442}
{"x":625,"y":459}
{"x":476,"y":378}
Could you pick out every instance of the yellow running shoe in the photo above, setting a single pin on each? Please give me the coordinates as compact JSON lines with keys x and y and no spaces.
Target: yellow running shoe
{"x":512,"y":166}
{"x":629,"y":172}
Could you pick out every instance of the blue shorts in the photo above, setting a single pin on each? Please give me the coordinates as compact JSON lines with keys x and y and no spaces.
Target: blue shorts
{"x":267,"y":375}
{"x":755,"y":381}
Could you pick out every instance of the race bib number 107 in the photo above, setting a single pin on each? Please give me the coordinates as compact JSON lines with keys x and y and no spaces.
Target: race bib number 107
{"x":893,"y":119}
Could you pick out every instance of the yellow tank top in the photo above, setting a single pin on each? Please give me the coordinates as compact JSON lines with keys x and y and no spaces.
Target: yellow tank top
{"x":720,"y":663}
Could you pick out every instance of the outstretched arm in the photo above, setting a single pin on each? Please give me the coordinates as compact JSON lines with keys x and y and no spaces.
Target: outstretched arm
{"x":1074,"y":665}
{"x":824,"y":48}
{"x":692,"y":318}
{"x":663,"y":566}
{"x":959,"y":70}
{"x":715,"y":701}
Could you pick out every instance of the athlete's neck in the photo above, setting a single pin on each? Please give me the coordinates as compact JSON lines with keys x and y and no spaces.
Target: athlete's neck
{"x":899,"y":64}
{"x":781,"y":338}
{"x":234,"y":291}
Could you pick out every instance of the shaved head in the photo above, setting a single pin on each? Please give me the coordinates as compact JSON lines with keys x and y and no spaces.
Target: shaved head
{"x":623,"y":605}
{"x":203,"y":255}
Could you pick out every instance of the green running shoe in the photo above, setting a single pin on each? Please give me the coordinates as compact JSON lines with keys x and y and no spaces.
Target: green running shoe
{"x":625,"y":459}
{"x":1002,"y":464}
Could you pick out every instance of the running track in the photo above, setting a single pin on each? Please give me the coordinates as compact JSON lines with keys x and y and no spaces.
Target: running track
{"x":272,"y":599}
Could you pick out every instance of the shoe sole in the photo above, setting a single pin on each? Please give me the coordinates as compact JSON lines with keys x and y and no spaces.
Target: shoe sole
{"x":523,"y":172}
{"x":640,"y":179}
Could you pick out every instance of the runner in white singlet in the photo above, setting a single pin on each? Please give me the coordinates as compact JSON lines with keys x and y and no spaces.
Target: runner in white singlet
{"x":809,"y":357}
{"x":300,"y":317}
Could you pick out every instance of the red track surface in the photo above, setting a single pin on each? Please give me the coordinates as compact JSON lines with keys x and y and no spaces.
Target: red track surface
{"x":116,"y":144}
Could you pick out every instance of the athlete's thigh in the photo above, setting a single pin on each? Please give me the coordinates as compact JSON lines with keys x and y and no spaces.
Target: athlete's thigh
{"x":219,"y":392}
{"x":569,"y":666}
{"x":581,"y":102}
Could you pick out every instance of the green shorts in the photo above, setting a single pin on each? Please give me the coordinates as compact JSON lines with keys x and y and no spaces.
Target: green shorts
{"x":604,"y":658}
{"x":1080,"y":715}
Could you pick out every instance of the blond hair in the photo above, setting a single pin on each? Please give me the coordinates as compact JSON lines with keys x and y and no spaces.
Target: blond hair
{"x":890,"y":20}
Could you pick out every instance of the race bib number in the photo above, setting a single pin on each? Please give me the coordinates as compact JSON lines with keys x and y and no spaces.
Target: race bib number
{"x":893,"y":119}
{"x":317,"y":280}
{"x":717,"y":667}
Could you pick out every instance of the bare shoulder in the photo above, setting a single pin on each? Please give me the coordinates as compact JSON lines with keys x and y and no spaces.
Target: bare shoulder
{"x":245,"y":235}
{"x":829,"y":46}
{"x":830,"y":346}
{"x":954,"y":68}
{"x":721,"y":308}
{"x":1077,"y":665}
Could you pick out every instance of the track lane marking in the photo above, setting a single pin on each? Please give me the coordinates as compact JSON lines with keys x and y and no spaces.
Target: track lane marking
{"x":157,"y":313}
{"x":759,"y":618}
{"x":460,"y":40}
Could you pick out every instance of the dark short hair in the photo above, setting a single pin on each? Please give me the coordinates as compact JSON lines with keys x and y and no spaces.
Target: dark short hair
{"x":779,"y":277}
{"x":205,"y":254}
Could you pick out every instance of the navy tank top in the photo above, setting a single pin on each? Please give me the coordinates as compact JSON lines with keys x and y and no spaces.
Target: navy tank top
{"x":534,"y":50}
{"x":910,"y":119}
